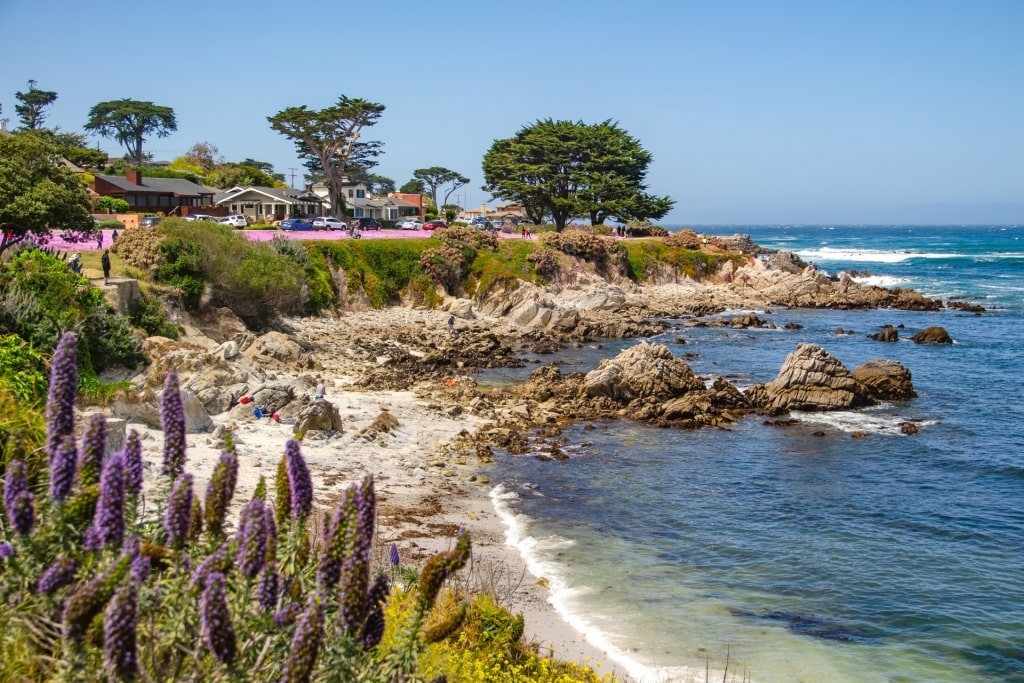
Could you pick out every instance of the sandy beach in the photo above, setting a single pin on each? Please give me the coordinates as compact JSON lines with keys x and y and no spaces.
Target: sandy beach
{"x":429,"y":482}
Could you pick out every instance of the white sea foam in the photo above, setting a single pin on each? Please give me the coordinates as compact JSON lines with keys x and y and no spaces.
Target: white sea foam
{"x":563,"y":596}
{"x":883,"y":256}
{"x":877,"y":420}
{"x":881,"y":280}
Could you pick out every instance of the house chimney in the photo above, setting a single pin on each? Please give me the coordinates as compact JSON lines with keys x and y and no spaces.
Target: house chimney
{"x":134,"y":176}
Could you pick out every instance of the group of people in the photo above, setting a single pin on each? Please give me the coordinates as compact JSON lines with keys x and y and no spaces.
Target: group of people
{"x":75,"y":265}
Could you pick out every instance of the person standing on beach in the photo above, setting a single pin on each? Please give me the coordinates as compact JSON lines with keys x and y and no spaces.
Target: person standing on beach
{"x":105,"y":262}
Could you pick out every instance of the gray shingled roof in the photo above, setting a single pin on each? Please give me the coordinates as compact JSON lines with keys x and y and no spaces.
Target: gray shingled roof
{"x":178,"y":186}
{"x":287,"y":195}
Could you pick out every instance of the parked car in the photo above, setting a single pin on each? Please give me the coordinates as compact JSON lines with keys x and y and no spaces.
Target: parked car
{"x":296,"y":224}
{"x":409,"y":224}
{"x":201,"y":217}
{"x":366,"y":223}
{"x":148,"y":221}
{"x":235,"y":221}
{"x":434,"y":225}
{"x":328,"y":223}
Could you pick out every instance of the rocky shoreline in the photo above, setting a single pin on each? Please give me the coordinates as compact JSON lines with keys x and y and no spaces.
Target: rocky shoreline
{"x":401,"y":402}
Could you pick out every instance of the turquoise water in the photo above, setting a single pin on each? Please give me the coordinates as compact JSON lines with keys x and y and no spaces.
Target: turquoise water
{"x":797,"y":556}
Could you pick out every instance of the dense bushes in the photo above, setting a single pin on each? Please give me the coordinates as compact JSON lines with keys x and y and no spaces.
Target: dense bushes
{"x":450,"y":262}
{"x":98,"y":583}
{"x":40,"y":299}
{"x":112,"y":204}
{"x":208,"y":262}
{"x":384,"y":270}
{"x":647,"y":257}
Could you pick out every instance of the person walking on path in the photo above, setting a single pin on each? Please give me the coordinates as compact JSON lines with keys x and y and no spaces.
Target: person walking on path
{"x":99,"y":240}
{"x":105,"y":262}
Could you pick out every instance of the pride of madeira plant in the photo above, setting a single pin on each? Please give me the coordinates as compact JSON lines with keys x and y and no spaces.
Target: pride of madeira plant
{"x":99,"y":582}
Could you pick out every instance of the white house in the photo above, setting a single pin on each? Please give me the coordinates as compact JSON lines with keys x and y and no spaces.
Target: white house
{"x":268,"y":204}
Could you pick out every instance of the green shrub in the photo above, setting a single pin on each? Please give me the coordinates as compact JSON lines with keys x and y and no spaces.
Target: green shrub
{"x":645,"y":254}
{"x":112,"y":204}
{"x":22,"y":370}
{"x":110,"y":225}
{"x":450,"y":262}
{"x":206,"y":261}
{"x":150,"y":315}
{"x":383,"y":269}
{"x":22,"y":432}
{"x":40,"y":299}
{"x":182,"y":268}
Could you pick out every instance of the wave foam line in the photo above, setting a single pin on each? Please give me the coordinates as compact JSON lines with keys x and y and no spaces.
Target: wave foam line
{"x":561,"y":593}
{"x":879,"y":256}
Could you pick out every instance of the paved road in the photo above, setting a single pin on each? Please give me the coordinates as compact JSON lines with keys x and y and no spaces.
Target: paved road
{"x":267,"y":235}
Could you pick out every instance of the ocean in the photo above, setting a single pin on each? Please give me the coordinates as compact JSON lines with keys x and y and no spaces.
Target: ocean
{"x":802,"y":553}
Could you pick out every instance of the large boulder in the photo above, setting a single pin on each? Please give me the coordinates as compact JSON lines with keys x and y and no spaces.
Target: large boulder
{"x":932,"y":335}
{"x":276,"y":346}
{"x":640,"y":372}
{"x":810,"y":379}
{"x":318,"y":416}
{"x":885,"y":380}
{"x":888,"y":334}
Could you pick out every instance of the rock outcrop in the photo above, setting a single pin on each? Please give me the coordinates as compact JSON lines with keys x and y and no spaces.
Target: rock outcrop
{"x":318,"y":416}
{"x":885,"y":380}
{"x":887,"y":334}
{"x":932,"y":335}
{"x":641,"y":372}
{"x":810,"y":379}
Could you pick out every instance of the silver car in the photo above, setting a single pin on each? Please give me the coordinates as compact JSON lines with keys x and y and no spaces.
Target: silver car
{"x":328,"y":223}
{"x":235,"y":221}
{"x":409,"y":224}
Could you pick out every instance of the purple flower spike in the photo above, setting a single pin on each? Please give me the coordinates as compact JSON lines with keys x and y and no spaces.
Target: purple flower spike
{"x":216,"y":562}
{"x":336,"y":534}
{"x":57,"y":575}
{"x":133,"y":462}
{"x":94,"y":446}
{"x":305,"y":648}
{"x":220,"y":491}
{"x":252,"y":538}
{"x":299,"y":480}
{"x":140,"y":563}
{"x":355,"y":567}
{"x":108,"y":525}
{"x":172,"y":413}
{"x":286,"y":615}
{"x":17,"y":499}
{"x":62,"y":468}
{"x":215,"y":619}
{"x":268,"y":587}
{"x":60,"y":405}
{"x":179,"y":511}
{"x":393,"y":551}
{"x":119,"y":626}
{"x":6,"y":550}
{"x":373,"y":629}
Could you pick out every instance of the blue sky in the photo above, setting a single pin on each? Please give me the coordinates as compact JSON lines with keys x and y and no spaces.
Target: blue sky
{"x":755,"y":112}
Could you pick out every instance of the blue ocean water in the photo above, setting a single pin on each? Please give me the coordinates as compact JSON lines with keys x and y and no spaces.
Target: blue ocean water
{"x":803,"y":553}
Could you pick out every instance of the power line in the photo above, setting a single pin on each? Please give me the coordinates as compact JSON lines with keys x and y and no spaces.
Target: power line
{"x":293,"y":170}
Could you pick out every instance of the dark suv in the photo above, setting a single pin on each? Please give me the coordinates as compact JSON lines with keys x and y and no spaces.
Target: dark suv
{"x":366,"y":223}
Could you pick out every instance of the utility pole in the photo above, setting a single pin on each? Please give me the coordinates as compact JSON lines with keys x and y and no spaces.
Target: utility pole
{"x":293,"y":170}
